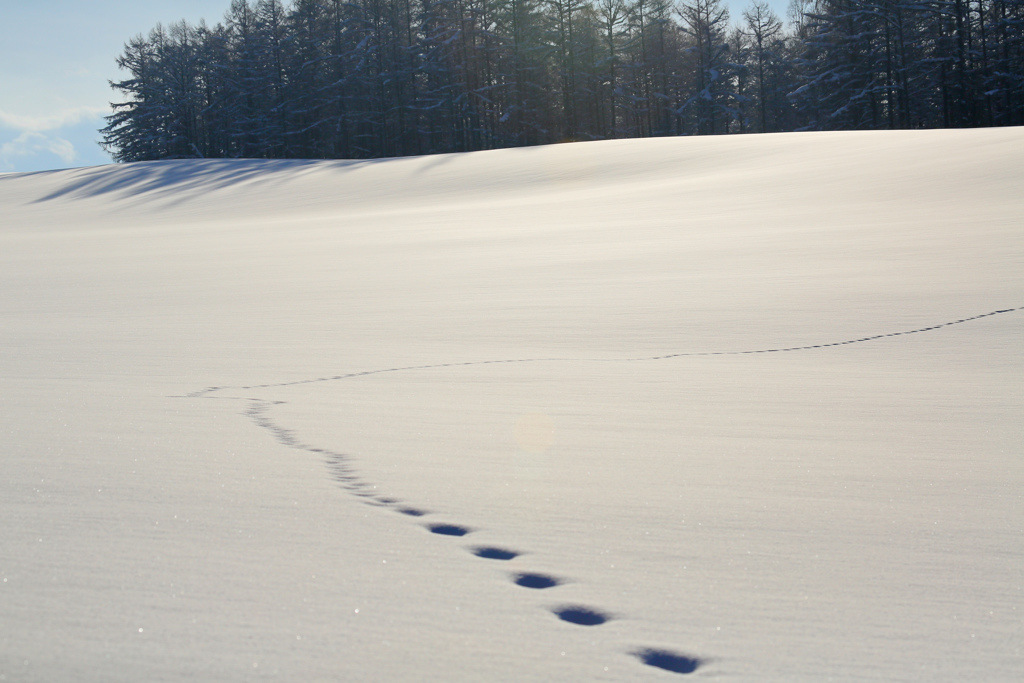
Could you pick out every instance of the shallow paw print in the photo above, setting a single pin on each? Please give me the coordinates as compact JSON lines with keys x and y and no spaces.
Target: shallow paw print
{"x":581,"y":616}
{"x":668,"y":660}
{"x":449,"y":529}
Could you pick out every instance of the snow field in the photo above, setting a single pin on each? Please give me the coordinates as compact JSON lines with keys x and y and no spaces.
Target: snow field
{"x":226,"y":384}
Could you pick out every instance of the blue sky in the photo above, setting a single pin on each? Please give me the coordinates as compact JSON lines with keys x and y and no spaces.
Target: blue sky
{"x":56,"y":57}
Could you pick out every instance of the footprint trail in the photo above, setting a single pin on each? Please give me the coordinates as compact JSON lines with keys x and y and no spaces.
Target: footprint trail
{"x":342,"y":470}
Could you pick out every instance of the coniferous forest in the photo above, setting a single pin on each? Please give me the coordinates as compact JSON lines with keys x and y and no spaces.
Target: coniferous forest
{"x":376,"y":78}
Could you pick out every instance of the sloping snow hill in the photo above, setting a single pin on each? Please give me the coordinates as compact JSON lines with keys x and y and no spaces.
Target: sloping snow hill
{"x":743,"y":408}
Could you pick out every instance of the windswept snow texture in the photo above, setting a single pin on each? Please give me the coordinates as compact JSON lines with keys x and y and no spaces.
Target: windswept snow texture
{"x":743,"y":408}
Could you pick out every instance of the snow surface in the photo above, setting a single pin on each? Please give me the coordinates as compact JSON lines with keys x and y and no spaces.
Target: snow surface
{"x":225,"y":385}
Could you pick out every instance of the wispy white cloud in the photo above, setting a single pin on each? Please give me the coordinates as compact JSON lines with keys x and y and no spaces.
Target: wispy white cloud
{"x":54,"y":140}
{"x":61,"y":119}
{"x":31,"y":143}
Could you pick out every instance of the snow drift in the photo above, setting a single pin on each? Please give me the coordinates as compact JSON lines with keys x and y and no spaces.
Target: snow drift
{"x":743,"y":408}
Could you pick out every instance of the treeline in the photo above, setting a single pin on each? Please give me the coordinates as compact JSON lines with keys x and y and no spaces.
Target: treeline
{"x":375,"y":78}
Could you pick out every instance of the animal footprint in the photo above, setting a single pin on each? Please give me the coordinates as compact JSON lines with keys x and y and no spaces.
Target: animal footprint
{"x":582,"y":616}
{"x":536,"y":581}
{"x":495,"y":553}
{"x":449,"y":529}
{"x":669,"y":661}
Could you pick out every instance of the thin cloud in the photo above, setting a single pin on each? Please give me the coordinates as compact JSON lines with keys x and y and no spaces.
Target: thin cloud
{"x":31,"y":143}
{"x":62,"y":119}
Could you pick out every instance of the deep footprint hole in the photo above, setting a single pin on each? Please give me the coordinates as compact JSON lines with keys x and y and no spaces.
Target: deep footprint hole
{"x":669,"y":661}
{"x":581,"y":616}
{"x":495,"y":553}
{"x":537,"y":581}
{"x":448,"y":529}
{"x":412,"y":512}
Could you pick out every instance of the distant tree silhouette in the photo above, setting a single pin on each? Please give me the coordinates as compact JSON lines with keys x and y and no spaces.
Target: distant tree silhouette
{"x":374,"y":78}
